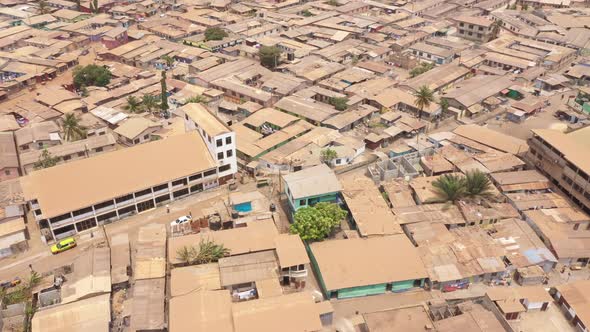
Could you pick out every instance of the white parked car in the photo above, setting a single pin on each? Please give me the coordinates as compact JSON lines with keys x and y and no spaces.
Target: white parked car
{"x":181,"y":220}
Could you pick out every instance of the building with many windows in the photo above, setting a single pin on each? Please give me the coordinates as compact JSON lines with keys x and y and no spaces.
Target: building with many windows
{"x":219,"y":138}
{"x":80,"y":195}
{"x":473,"y":28}
{"x":563,"y":158}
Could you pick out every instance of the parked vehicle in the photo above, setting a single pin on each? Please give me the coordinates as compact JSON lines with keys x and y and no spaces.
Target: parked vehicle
{"x":181,"y":220}
{"x":454,"y":287}
{"x":9,"y":284}
{"x":63,"y":245}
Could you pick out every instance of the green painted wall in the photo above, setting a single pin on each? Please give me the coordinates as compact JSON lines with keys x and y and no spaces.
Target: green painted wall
{"x":361,"y":291}
{"x":311,"y":200}
{"x":401,"y":286}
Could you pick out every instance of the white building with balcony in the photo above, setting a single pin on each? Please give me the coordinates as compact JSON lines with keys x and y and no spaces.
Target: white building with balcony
{"x":80,"y":195}
{"x":219,"y":138}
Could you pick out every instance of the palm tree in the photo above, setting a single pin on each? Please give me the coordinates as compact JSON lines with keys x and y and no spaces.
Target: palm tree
{"x":42,"y":7}
{"x":133,"y":104}
{"x":72,"y":128}
{"x":424,"y":97}
{"x":169,"y":60}
{"x":477,"y":184}
{"x":450,"y":187}
{"x":186,"y":255}
{"x":150,"y":102}
{"x":206,"y":252}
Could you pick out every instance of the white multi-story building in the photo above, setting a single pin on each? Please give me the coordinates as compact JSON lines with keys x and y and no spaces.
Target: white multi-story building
{"x":220,"y":139}
{"x":80,"y":195}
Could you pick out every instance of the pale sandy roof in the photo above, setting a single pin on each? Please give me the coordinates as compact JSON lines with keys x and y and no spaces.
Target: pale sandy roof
{"x":183,"y":280}
{"x":12,"y":226}
{"x":212,"y":125}
{"x":90,"y":315}
{"x":577,"y":295}
{"x":410,"y":319}
{"x":288,"y":313}
{"x":367,"y":207}
{"x":257,"y":236}
{"x":147,"y":312}
{"x":290,"y":250}
{"x":269,"y":288}
{"x":573,"y":145}
{"x":64,"y":188}
{"x":134,"y":126}
{"x":312,"y":181}
{"x":363,"y":262}
{"x":201,"y":311}
{"x":120,"y":257}
{"x":491,"y":138}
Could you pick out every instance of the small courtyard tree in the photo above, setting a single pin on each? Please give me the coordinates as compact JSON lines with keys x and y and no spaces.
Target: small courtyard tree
{"x":269,"y":56}
{"x":328,"y":155}
{"x":215,"y":33}
{"x":46,"y":160}
{"x":315,"y":223}
{"x":91,"y":75}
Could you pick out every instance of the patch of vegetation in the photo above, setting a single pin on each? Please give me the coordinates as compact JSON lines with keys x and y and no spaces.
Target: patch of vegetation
{"x":91,"y":75}
{"x":315,"y":223}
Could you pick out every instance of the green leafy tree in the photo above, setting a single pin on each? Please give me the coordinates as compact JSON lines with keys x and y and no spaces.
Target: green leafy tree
{"x":72,"y":128}
{"x":421,"y":69}
{"x":164,"y":92}
{"x":306,"y":13}
{"x":444,"y":105}
{"x":149,"y":102}
{"x":46,"y":160}
{"x":196,"y":99}
{"x":43,"y":7}
{"x":423,"y":98}
{"x":525,"y":7}
{"x":215,"y":33}
{"x":334,"y":3}
{"x":133,"y":104}
{"x":450,"y":187}
{"x":477,"y":184}
{"x":327,"y":155}
{"x":269,"y":56}
{"x":91,"y":75}
{"x":207,"y":251}
{"x":315,"y":223}
{"x":339,"y":103}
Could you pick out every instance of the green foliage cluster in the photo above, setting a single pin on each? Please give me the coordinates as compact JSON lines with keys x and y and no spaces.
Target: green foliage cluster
{"x":421,"y":69}
{"x":270,"y":56}
{"x":315,"y":223}
{"x":46,"y":160}
{"x":215,"y":33}
{"x":206,"y":251}
{"x":91,"y":75}
{"x":327,"y":155}
{"x":339,"y":103}
{"x":453,"y":187}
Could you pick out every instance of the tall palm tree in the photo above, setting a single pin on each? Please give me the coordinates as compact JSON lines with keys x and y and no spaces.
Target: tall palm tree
{"x":72,"y":128}
{"x":477,"y":184}
{"x":450,"y":187}
{"x":133,"y":104}
{"x":424,"y":96}
{"x":169,"y":60}
{"x":150,"y":102}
